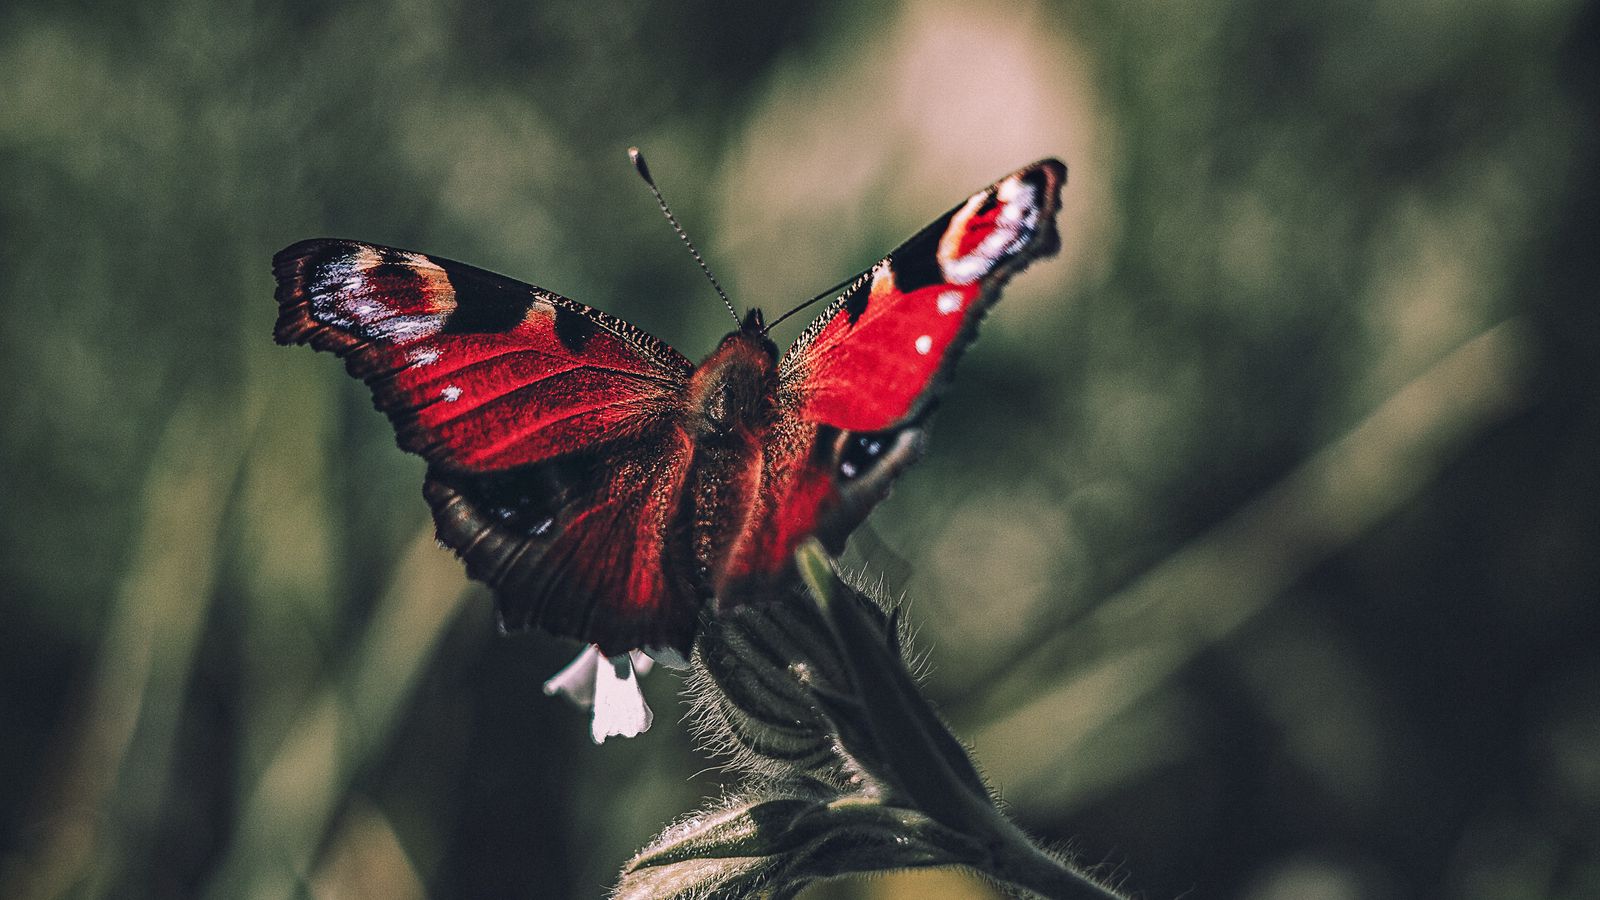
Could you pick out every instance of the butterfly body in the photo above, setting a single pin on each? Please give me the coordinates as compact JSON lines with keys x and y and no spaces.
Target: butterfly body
{"x":730,"y":417}
{"x":607,"y":488}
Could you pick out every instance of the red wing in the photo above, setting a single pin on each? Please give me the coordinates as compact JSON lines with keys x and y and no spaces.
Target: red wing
{"x":878,"y":356}
{"x":855,"y":386}
{"x":593,"y":546}
{"x":476,"y":371}
{"x":557,"y":460}
{"x":816,"y":481}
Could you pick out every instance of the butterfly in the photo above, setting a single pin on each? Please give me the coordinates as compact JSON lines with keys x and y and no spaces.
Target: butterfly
{"x":603,"y":485}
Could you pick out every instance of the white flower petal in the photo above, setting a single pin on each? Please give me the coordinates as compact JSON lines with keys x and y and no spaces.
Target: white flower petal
{"x":642,"y":663}
{"x":576,"y":682}
{"x":619,"y":707}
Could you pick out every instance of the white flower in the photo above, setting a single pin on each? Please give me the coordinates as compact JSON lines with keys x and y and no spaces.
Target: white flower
{"x":608,"y":686}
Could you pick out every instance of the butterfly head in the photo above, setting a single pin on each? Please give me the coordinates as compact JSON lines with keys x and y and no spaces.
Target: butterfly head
{"x":753,"y":322}
{"x":749,"y":342}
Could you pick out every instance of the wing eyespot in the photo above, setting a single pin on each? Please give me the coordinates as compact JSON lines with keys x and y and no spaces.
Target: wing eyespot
{"x":857,"y":454}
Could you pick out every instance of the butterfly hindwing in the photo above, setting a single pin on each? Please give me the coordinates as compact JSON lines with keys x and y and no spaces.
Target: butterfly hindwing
{"x":593,"y":545}
{"x":805,"y":493}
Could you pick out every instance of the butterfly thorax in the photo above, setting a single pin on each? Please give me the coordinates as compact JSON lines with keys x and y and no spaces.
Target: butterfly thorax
{"x":733,"y":390}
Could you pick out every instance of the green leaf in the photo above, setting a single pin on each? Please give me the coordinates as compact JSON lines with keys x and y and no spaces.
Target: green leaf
{"x":903,"y":743}
{"x":774,"y":847}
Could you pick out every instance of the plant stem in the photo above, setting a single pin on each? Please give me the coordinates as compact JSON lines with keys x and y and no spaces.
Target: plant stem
{"x":1020,"y":864}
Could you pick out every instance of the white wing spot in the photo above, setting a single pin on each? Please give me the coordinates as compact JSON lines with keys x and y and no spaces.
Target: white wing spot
{"x":924,"y":344}
{"x":949,"y":302}
{"x":404,"y":329}
{"x":424,"y":355}
{"x":451,"y":393}
{"x":1010,"y":190}
{"x":365,"y":258}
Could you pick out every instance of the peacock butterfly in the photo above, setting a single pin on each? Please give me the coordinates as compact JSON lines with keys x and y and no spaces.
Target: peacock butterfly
{"x":606,"y":487}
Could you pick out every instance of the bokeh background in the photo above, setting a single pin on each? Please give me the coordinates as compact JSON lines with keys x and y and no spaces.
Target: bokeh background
{"x":1255,"y":553}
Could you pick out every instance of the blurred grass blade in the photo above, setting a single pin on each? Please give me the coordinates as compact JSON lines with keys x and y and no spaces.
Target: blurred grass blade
{"x":115,"y":760}
{"x":287,"y":815}
{"x":817,"y":572}
{"x":1202,"y":594}
{"x":365,"y":860}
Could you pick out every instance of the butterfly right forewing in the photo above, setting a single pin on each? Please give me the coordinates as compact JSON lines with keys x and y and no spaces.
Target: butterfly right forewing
{"x":879,"y":356}
{"x":858,"y":383}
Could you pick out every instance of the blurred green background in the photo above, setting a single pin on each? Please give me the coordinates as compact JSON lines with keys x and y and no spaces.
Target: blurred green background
{"x":1256,"y":550}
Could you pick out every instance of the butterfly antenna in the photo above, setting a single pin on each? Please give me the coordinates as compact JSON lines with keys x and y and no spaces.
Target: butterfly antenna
{"x":644,"y":172}
{"x":825,"y":294}
{"x":849,"y":281}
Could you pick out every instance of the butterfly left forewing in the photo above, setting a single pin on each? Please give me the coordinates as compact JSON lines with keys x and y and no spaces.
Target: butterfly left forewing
{"x":477,"y":371}
{"x":552,"y":431}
